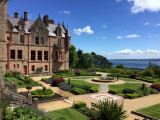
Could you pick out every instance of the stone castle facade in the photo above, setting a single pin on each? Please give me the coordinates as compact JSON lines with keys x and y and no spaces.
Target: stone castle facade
{"x":26,"y":45}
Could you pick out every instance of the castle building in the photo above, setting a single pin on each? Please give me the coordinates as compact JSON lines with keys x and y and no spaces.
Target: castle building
{"x":26,"y":45}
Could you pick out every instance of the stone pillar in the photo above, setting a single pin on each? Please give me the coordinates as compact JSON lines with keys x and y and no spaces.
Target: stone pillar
{"x":35,"y":100}
{"x":1,"y":89}
{"x":0,"y":104}
{"x":30,"y":97}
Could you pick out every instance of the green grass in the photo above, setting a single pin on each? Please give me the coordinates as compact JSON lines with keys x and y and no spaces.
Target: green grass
{"x":153,"y":111}
{"x":68,"y":114}
{"x":15,"y":80}
{"x":84,"y":77}
{"x":126,"y":85}
{"x":128,"y":80}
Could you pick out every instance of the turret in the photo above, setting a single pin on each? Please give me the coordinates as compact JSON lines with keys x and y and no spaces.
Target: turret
{"x":68,"y":39}
{"x":3,"y":19}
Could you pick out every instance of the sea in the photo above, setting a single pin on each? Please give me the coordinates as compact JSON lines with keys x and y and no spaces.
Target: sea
{"x":134,"y":63}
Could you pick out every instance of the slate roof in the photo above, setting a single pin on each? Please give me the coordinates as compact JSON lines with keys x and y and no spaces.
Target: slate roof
{"x":29,"y":23}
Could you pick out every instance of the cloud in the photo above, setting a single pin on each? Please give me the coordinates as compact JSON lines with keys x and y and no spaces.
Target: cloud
{"x":119,"y":37}
{"x":86,"y":29}
{"x":65,"y":12}
{"x":104,"y":26}
{"x":157,"y":24}
{"x":145,"y":5}
{"x":132,"y":54}
{"x":146,"y":23}
{"x":132,"y":36}
{"x":126,"y":51}
{"x":128,"y":36}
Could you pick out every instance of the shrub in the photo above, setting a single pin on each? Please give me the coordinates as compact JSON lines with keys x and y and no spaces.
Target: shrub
{"x":132,"y":96}
{"x":133,"y":76}
{"x":44,"y":79}
{"x":153,"y":91}
{"x":65,"y":86}
{"x":62,"y":71}
{"x":114,"y":91}
{"x":58,"y":81}
{"x":140,"y":93}
{"x":78,"y":91}
{"x":156,"y":86}
{"x":21,"y":78}
{"x":128,"y":90}
{"x":79,"y":105}
{"x":39,"y":70}
{"x":77,"y":73}
{"x":48,"y":81}
{"x":28,"y":80}
{"x":29,"y":87}
{"x":93,"y":90}
{"x":20,"y":82}
{"x":16,"y":75}
{"x":8,"y":74}
{"x":146,"y":92}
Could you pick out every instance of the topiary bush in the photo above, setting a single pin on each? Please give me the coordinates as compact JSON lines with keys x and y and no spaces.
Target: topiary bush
{"x":131,"y":96}
{"x":94,"y":90}
{"x":128,"y":91}
{"x":79,"y":105}
{"x":78,"y":91}
{"x":57,"y":81}
{"x":42,"y":93}
{"x":113,"y":91}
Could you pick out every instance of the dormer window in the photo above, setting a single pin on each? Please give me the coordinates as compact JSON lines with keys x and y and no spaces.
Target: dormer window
{"x":21,"y":26}
{"x":22,"y":39}
{"x":39,"y":29}
{"x":59,"y":41}
{"x":37,"y":40}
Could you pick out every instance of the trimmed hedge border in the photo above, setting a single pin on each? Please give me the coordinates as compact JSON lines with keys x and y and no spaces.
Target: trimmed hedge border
{"x":143,"y":115}
{"x":43,"y":96}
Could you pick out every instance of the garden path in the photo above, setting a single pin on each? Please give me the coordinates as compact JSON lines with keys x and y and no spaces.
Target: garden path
{"x":103,"y":88}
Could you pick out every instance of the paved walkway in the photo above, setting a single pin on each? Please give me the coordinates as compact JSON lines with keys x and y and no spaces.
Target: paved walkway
{"x":103,"y":88}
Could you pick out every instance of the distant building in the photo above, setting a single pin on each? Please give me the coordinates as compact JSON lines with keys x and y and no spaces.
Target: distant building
{"x":26,"y":45}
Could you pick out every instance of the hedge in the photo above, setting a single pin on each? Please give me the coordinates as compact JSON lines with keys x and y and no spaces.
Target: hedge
{"x":43,"y":96}
{"x":94,"y":90}
{"x":113,"y":91}
{"x":131,"y":96}
{"x":78,"y":91}
{"x":57,"y":81}
{"x":39,"y":93}
{"x":79,"y":105}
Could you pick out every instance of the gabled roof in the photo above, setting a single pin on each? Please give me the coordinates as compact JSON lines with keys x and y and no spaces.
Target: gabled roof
{"x":51,"y":27}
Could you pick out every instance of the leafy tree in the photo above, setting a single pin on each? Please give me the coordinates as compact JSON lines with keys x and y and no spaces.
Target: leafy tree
{"x":73,"y":58}
{"x":86,"y":61}
{"x":100,"y":61}
{"x":120,"y":66}
{"x":109,"y":110}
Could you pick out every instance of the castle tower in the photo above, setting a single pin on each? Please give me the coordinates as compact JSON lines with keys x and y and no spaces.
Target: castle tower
{"x":3,"y":26}
{"x":3,"y":19}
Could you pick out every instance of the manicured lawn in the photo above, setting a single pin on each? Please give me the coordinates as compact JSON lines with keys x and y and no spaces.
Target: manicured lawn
{"x":84,"y":77}
{"x":128,"y":79}
{"x":68,"y":114}
{"x":153,"y":111}
{"x":126,"y":85}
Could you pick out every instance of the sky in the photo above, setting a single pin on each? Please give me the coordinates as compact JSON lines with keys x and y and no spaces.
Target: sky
{"x":116,"y":29}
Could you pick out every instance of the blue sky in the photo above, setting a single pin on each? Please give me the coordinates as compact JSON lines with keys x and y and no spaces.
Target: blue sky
{"x":113,"y":28}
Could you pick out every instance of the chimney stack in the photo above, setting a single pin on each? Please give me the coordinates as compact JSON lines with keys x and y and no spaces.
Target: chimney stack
{"x":25,"y":16}
{"x":16,"y":14}
{"x":46,"y":20}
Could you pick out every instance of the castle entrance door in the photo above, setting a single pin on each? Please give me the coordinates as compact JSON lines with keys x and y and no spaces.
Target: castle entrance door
{"x":25,"y":70}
